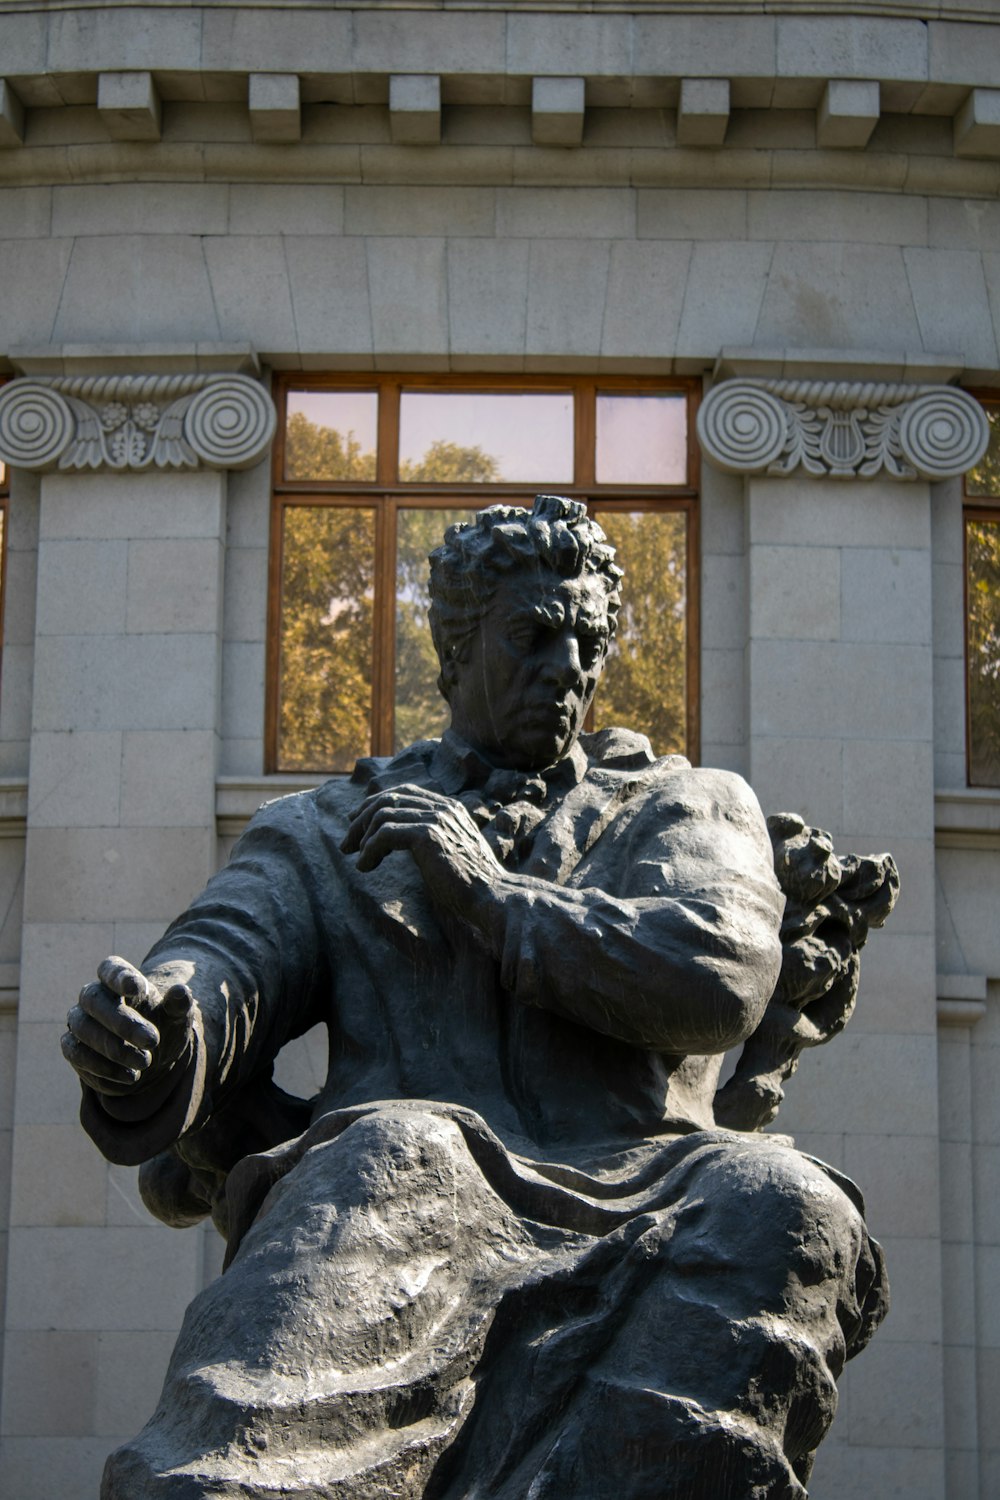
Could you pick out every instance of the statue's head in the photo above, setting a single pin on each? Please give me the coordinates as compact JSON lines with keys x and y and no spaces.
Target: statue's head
{"x":523,"y":607}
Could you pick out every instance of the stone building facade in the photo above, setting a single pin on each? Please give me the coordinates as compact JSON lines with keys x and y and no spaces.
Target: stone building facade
{"x":790,"y":210}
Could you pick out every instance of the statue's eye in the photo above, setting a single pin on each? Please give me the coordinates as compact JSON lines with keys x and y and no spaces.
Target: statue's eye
{"x":523,"y":634}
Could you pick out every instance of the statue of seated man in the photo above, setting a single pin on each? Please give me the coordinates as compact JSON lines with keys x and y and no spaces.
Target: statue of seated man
{"x":507,"y":1252}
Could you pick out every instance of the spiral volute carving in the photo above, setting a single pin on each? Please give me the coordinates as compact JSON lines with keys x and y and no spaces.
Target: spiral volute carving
{"x":135,"y":422}
{"x":742,"y":427}
{"x":36,"y":425}
{"x":842,"y":428}
{"x":943,"y":433}
{"x":230,"y":423}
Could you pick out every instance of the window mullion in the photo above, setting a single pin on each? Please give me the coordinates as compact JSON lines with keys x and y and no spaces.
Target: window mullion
{"x":384,"y":628}
{"x":585,"y":428}
{"x":272,"y":669}
{"x":384,"y":622}
{"x":388,"y":433}
{"x":693,"y":636}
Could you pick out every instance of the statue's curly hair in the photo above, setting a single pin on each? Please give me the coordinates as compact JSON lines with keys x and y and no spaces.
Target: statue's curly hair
{"x":476,"y":556}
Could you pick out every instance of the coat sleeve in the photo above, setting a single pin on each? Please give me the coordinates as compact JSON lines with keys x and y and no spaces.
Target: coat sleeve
{"x":251,"y":950}
{"x":670,"y":939}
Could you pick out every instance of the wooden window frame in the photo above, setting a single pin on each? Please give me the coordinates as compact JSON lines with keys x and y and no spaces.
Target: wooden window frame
{"x":388,"y":494}
{"x":974,"y":508}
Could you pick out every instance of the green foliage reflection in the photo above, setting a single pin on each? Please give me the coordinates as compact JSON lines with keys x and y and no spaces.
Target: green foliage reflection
{"x":328,"y":578}
{"x":316,"y":452}
{"x":983,"y":553}
{"x":450,"y":463}
{"x":421,"y":712}
{"x":984,"y":479}
{"x":644,"y":683}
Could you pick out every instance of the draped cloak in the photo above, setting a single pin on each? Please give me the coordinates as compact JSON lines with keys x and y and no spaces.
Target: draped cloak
{"x":505,"y":1239}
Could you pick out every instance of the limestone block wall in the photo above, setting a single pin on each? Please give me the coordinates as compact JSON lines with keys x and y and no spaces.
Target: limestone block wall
{"x":204,"y":188}
{"x":15,"y":716}
{"x":840,"y":686}
{"x":119,"y":830}
{"x":519,"y":277}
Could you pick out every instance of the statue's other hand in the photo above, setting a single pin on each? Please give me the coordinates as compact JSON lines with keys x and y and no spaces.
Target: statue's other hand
{"x":450,"y":852}
{"x":124,"y":1033}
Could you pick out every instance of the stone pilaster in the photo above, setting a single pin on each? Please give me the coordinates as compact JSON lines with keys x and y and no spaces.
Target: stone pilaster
{"x":120,"y":835}
{"x":839,"y":684}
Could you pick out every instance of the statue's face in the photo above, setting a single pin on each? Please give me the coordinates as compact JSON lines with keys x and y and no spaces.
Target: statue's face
{"x":522,"y":692}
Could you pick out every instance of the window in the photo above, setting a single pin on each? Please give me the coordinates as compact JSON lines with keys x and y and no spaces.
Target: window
{"x":982,"y":608}
{"x":369,"y":472}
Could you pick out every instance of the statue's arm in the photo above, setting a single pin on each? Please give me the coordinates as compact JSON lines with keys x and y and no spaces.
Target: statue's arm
{"x":673,"y":943}
{"x":248,"y":956}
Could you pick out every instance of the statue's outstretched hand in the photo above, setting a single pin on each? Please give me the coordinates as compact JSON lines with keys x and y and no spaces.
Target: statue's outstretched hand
{"x":457,"y":864}
{"x":125,"y":1034}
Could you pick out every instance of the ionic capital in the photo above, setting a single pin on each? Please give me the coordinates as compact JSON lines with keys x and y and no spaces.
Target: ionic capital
{"x":842,"y":429}
{"x":135,"y":422}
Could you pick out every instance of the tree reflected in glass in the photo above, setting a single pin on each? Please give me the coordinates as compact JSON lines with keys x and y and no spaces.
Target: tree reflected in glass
{"x":318,"y":450}
{"x":984,"y":478}
{"x":645,"y":680}
{"x":983,"y":563}
{"x":329,"y":568}
{"x":328,"y":587}
{"x":982,"y":583}
{"x":421,"y":712}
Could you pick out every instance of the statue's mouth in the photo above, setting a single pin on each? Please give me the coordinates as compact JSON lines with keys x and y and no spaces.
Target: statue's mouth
{"x":556,"y":717}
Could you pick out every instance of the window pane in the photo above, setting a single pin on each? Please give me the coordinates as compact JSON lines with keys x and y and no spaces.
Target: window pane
{"x":641,"y":439}
{"x":984,"y":479}
{"x":331,"y":435}
{"x":462,"y":437}
{"x":421,"y":712}
{"x":327,"y":586}
{"x":983,"y":561}
{"x":645,"y":680}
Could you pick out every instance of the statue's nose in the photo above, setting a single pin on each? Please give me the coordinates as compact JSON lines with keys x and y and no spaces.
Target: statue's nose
{"x":562,"y":661}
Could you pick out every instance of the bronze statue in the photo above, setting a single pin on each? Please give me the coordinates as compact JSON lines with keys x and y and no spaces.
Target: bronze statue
{"x":510,"y":1250}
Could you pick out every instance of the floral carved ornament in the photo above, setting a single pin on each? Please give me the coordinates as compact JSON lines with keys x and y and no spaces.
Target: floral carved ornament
{"x":135,"y":422}
{"x":843,"y":429}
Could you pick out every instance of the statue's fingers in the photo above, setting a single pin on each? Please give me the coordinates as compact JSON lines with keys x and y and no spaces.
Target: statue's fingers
{"x":385,"y":816}
{"x":177,"y":1003}
{"x":407,"y":795}
{"x":103,"y":1085}
{"x":124,"y":979}
{"x":111,"y":1012}
{"x":351,"y":842}
{"x":97,"y":1071}
{"x":387,"y":838}
{"x":374,"y":813}
{"x":409,"y":792}
{"x":106,"y":1043}
{"x":392,"y":821}
{"x":441,"y":816}
{"x":416,"y":805}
